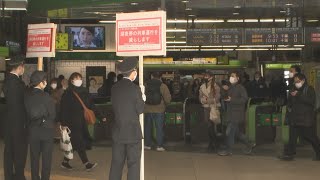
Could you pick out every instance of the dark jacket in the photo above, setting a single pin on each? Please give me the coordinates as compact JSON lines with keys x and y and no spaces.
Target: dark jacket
{"x":105,"y":89}
{"x":16,"y":121}
{"x":257,"y":89}
{"x":40,"y":107}
{"x":302,"y":106}
{"x":127,"y":105}
{"x":72,"y":115}
{"x":236,"y":107}
{"x":166,"y":98}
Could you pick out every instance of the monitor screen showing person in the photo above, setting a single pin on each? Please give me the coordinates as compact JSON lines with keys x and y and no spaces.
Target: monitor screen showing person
{"x":87,"y":37}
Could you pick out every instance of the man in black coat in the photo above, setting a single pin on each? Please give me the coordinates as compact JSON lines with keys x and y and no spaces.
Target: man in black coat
{"x":15,"y":151}
{"x":301,"y":107}
{"x":127,"y":104}
{"x":41,"y":115}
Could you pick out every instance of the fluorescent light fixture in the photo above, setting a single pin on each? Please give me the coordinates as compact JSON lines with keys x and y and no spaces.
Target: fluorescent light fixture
{"x":134,"y":3}
{"x":176,"y":42}
{"x":251,"y":20}
{"x":280,"y":20}
{"x":191,"y":15}
{"x":230,"y":46}
{"x":289,"y":4}
{"x":185,"y":1}
{"x":235,"y":20}
{"x":108,"y":22}
{"x":235,"y":14}
{"x":237,"y":7}
{"x":300,"y":45}
{"x":312,"y":20}
{"x":217,"y":49}
{"x":176,"y":21}
{"x":266,"y":20}
{"x":253,"y":49}
{"x":289,"y":49}
{"x":7,"y":59}
{"x":15,"y":9}
{"x":283,"y":11}
{"x":188,"y":9}
{"x":255,"y":46}
{"x":176,"y":30}
{"x":182,"y":46}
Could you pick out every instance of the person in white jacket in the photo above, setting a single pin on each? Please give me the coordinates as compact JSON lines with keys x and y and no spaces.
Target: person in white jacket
{"x":209,"y":95}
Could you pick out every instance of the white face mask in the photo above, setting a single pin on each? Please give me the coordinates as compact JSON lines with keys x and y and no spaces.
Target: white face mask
{"x":54,"y":86}
{"x":233,"y":80}
{"x":299,"y":85}
{"x":291,"y":75}
{"x":135,"y":76}
{"x":77,"y":83}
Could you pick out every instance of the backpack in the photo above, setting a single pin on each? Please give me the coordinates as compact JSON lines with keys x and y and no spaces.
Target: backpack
{"x":153,"y":93}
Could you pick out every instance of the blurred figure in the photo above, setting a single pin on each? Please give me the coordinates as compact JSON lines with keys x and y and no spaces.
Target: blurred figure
{"x":196,"y":87}
{"x":158,"y":97}
{"x":209,"y":95}
{"x":72,"y":116}
{"x":64,"y":84}
{"x":236,"y":102}
{"x":257,"y":87}
{"x":301,"y":112}
{"x":119,"y":77}
{"x":41,"y":113}
{"x":15,"y":139}
{"x":105,"y":89}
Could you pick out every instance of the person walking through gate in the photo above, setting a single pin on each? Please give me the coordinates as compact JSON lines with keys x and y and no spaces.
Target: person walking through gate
{"x":127,"y":104}
{"x":15,"y":151}
{"x":41,"y":115}
{"x":301,"y":107}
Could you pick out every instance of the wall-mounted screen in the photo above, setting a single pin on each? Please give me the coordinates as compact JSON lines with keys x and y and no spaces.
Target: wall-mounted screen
{"x":87,"y":37}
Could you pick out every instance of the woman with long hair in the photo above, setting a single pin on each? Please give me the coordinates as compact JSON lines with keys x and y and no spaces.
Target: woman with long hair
{"x":209,"y":95}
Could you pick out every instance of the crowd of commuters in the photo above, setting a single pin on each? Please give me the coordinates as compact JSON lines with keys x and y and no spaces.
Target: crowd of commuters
{"x":33,"y":115}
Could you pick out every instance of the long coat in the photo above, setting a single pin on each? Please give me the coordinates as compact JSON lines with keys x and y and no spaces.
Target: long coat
{"x":72,"y":116}
{"x":127,"y":105}
{"x":16,"y":121}
{"x":237,"y":104}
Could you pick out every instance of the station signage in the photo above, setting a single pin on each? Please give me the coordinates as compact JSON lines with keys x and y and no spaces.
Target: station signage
{"x":41,"y":40}
{"x":214,"y":37}
{"x":142,"y":33}
{"x":273,"y":36}
{"x":312,"y":35}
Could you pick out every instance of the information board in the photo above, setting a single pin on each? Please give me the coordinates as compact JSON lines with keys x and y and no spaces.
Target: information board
{"x":214,"y":37}
{"x":312,"y":35}
{"x":273,"y":36}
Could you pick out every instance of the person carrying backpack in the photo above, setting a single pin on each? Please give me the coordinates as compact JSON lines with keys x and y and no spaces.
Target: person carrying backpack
{"x":158,"y":96}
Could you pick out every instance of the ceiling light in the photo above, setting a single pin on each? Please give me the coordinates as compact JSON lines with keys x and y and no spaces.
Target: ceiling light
{"x":280,"y":20}
{"x":266,"y":20}
{"x":176,"y":42}
{"x":253,"y":49}
{"x":230,"y":46}
{"x":235,"y":20}
{"x":182,"y":46}
{"x":176,"y":30}
{"x":237,"y":7}
{"x":312,"y":20}
{"x":251,"y":20}
{"x":191,"y":15}
{"x":254,"y":46}
{"x":7,"y":59}
{"x":217,"y":49}
{"x":185,"y":1}
{"x":134,"y":4}
{"x":300,"y":45}
{"x":208,"y":21}
{"x":235,"y":14}
{"x":188,"y":9}
{"x":289,"y":4}
{"x":108,"y":22}
{"x":15,"y":9}
{"x":283,"y":11}
{"x":289,"y":49}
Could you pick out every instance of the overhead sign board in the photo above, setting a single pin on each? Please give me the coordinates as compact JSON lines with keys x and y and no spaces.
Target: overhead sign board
{"x":214,"y":37}
{"x":41,"y":40}
{"x":142,"y":33}
{"x":273,"y":36}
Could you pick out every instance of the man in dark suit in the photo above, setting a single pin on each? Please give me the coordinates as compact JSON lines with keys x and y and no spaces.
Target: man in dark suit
{"x":15,"y":151}
{"x":127,"y":103}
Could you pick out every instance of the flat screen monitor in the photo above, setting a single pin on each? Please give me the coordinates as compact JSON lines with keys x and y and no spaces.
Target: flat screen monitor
{"x":87,"y":37}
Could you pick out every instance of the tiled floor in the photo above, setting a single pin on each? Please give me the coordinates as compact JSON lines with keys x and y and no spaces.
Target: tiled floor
{"x":193,"y":163}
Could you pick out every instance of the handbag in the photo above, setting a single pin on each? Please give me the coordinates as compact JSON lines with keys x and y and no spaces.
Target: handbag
{"x":215,"y":114}
{"x":89,"y":115}
{"x":65,"y":143}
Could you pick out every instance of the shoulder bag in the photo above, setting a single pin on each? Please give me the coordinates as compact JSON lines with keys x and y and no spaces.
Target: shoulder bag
{"x":89,"y":115}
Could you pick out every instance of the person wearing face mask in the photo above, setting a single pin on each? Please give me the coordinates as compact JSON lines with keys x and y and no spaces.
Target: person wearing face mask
{"x":72,"y":116}
{"x":16,"y":147}
{"x":56,"y":93}
{"x":127,"y":104}
{"x":257,"y":88}
{"x":294,"y":69}
{"x":209,"y":95}
{"x":236,"y":102}
{"x":302,"y":120}
{"x":41,"y":115}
